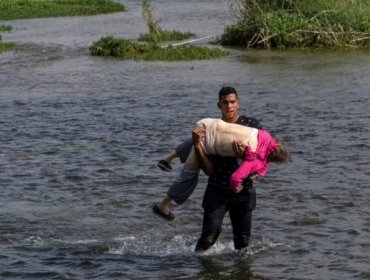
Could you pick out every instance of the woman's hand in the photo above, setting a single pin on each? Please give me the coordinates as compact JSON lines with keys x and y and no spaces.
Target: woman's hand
{"x":239,"y":149}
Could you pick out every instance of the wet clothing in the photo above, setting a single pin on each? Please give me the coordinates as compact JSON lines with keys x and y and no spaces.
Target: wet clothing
{"x":255,"y":162}
{"x":187,"y":180}
{"x":216,"y":202}
{"x":183,"y":150}
{"x":184,"y":185}
{"x":225,"y":166}
{"x":220,"y":198}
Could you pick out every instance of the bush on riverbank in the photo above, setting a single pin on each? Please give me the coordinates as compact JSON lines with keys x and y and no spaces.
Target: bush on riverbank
{"x":299,"y":23}
{"x":19,"y":9}
{"x":126,"y":49}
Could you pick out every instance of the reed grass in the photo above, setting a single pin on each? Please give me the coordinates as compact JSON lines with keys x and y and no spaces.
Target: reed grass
{"x":148,"y":47}
{"x":155,"y":34}
{"x":299,"y":23}
{"x":23,"y":9}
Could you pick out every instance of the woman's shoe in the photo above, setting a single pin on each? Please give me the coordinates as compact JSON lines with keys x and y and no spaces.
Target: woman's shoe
{"x":164,"y":165}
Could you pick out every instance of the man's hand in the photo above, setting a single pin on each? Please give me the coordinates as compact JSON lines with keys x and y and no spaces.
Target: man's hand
{"x":198,"y":135}
{"x":239,"y":149}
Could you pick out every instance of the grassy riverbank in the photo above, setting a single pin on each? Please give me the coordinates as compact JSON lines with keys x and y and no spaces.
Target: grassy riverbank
{"x":126,"y":49}
{"x":21,"y":9}
{"x":299,"y":23}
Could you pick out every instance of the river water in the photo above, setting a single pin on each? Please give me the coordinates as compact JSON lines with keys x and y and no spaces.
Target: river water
{"x":80,"y":137}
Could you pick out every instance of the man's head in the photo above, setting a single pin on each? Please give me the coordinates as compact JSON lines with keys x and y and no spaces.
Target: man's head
{"x":228,"y":103}
{"x":226,"y":91}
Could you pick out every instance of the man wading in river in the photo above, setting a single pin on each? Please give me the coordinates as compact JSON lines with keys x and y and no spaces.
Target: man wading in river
{"x":219,"y":198}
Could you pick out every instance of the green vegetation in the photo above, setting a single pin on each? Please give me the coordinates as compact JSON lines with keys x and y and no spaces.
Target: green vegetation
{"x":5,"y":46}
{"x":5,"y":28}
{"x":126,"y":49}
{"x":151,"y":50}
{"x":164,"y":35}
{"x":299,"y":23}
{"x":20,"y":9}
{"x":155,"y":33}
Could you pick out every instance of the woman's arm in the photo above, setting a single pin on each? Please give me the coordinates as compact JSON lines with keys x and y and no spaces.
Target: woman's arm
{"x":203,"y":160}
{"x":245,"y":169}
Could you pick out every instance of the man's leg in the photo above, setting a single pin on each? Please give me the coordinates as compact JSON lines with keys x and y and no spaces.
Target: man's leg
{"x":241,"y":219}
{"x":242,"y":228}
{"x":212,"y":227}
{"x":214,"y":213}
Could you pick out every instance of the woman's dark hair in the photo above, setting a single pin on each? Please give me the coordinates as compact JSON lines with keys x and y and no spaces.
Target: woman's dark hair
{"x":226,"y":91}
{"x":281,"y":154}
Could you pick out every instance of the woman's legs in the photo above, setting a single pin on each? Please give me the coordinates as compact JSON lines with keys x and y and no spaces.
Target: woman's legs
{"x":165,"y":163}
{"x":181,"y":151}
{"x":185,"y":183}
{"x":181,"y":189}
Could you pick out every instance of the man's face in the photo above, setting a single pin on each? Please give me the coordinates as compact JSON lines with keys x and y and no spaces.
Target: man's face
{"x":229,"y":106}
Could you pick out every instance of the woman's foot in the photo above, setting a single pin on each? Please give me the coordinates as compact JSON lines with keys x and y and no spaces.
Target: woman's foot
{"x":163,"y":213}
{"x":164,"y":165}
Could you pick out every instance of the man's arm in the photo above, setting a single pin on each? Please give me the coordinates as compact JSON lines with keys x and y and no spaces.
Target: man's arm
{"x":203,"y":160}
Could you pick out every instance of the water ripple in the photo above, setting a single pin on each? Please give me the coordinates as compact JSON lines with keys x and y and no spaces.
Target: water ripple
{"x":80,"y":138}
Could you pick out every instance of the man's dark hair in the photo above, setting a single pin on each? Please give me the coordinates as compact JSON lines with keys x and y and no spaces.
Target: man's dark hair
{"x":226,"y":91}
